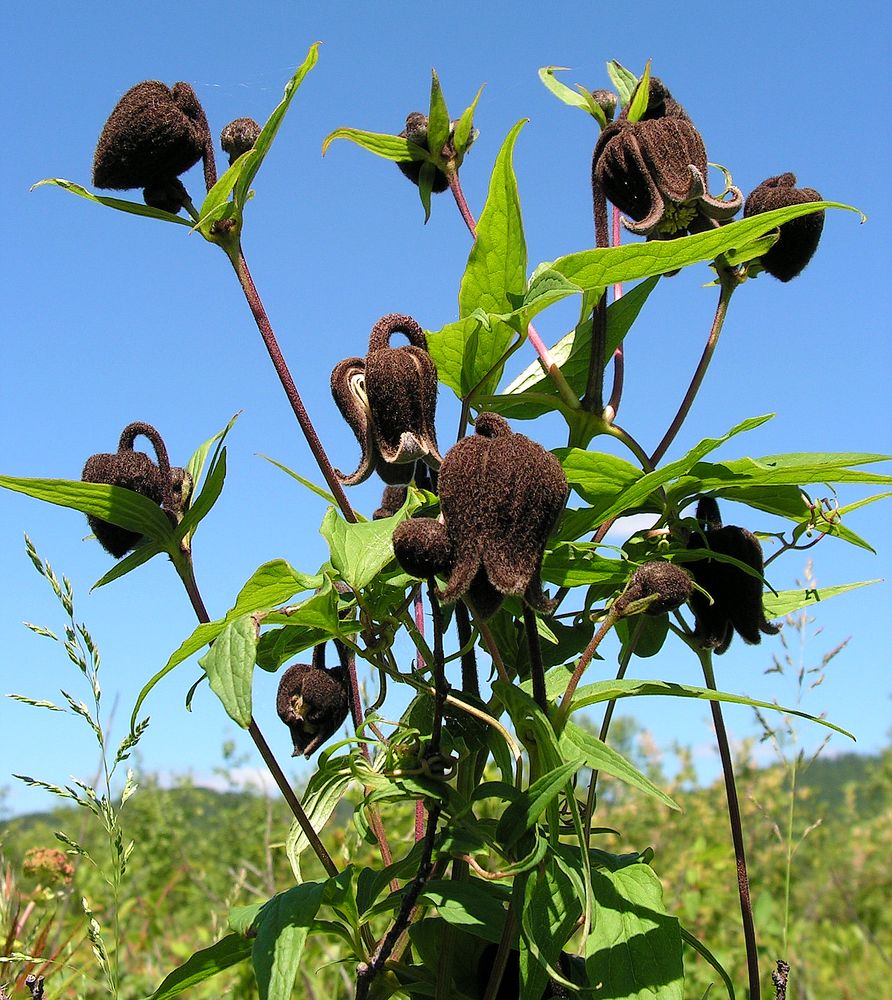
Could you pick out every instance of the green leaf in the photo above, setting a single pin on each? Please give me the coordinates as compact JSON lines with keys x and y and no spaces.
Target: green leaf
{"x":388,"y":147}
{"x":360,"y":551}
{"x":195,"y":465}
{"x":495,"y":275}
{"x":600,"y":691}
{"x":141,"y":554}
{"x":131,"y":207}
{"x":204,"y":964}
{"x":693,"y":942}
{"x":463,"y":130}
{"x":523,"y":814}
{"x":580,"y":98}
{"x":594,"y":753}
{"x":254,"y":158}
{"x":571,"y":564}
{"x":282,"y":927}
{"x":623,"y":79}
{"x":229,"y":665}
{"x":207,"y":497}
{"x":570,"y":353}
{"x":551,"y":909}
{"x":634,"y":950}
{"x":311,"y":486}
{"x":592,"y":270}
{"x":119,"y":506}
{"x":324,"y":791}
{"x":216,"y":203}
{"x":438,"y":125}
{"x":476,"y":906}
{"x":788,"y":601}
{"x":455,"y":349}
{"x":271,"y":584}
{"x":425,"y":188}
{"x":638,"y":104}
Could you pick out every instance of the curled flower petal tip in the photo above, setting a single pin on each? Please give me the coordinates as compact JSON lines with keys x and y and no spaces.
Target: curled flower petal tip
{"x":389,"y":399}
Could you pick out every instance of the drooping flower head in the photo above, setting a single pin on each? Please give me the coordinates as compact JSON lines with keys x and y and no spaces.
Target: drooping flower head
{"x":668,"y":585}
{"x":134,"y":470}
{"x":799,"y":238}
{"x":500,"y":497}
{"x":655,"y":171}
{"x":154,"y":134}
{"x":736,"y":595}
{"x":313,"y":701}
{"x":389,"y":399}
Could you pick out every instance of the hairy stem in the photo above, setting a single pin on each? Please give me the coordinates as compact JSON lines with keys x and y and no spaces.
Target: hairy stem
{"x":255,"y":303}
{"x":593,"y":400}
{"x":564,"y":709}
{"x":743,"y":882}
{"x":728,"y":281}
{"x":186,"y":574}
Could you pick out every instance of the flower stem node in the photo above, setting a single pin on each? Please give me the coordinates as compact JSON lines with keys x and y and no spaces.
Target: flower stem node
{"x":313,"y":702}
{"x":238,"y":137}
{"x":655,"y":171}
{"x":416,"y":131}
{"x":799,"y":238}
{"x":389,"y":399}
{"x":736,"y":595}
{"x":501,"y":495}
{"x":154,"y":134}
{"x":663,"y":585}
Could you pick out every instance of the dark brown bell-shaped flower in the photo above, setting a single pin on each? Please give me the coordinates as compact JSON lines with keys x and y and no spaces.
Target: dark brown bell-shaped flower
{"x":238,"y":137}
{"x":154,"y":134}
{"x":736,"y":595}
{"x":798,"y":238}
{"x":134,"y":470}
{"x":313,"y":702}
{"x":500,"y":497}
{"x":655,"y":171}
{"x":389,"y":399}
{"x":669,"y":586}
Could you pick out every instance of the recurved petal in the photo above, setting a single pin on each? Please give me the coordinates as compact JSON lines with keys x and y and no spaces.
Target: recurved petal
{"x":348,"y":391}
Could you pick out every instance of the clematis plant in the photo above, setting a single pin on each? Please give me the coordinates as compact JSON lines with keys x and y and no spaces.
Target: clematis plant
{"x":505,"y":882}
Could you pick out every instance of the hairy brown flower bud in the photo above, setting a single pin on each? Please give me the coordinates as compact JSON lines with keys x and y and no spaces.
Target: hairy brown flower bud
{"x":606,"y":101}
{"x":313,"y":702}
{"x":669,"y":584}
{"x":799,"y":238}
{"x":134,"y":470}
{"x":655,"y":171}
{"x":154,"y":133}
{"x":422,"y":547}
{"x":389,"y":399}
{"x":736,"y":595}
{"x":416,"y":131}
{"x":238,"y":137}
{"x":500,"y":495}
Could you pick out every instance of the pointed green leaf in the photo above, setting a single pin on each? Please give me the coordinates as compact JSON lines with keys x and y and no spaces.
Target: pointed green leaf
{"x":360,"y":551}
{"x":324,"y":791}
{"x":425,"y":188}
{"x":476,"y":906}
{"x":623,"y":79}
{"x":578,"y":565}
{"x":195,"y":465}
{"x":207,"y":497}
{"x":788,"y":601}
{"x":465,"y":126}
{"x":580,"y":98}
{"x":229,"y":665}
{"x":577,"y":743}
{"x":131,"y":207}
{"x":119,"y":506}
{"x":548,"y":917}
{"x":254,"y":158}
{"x":282,"y":927}
{"x":495,"y":275}
{"x":311,"y":486}
{"x":141,"y":554}
{"x":634,"y":949}
{"x":592,"y":694}
{"x":388,"y":147}
{"x":204,"y":964}
{"x":523,"y":814}
{"x":438,"y":125}
{"x":638,"y":105}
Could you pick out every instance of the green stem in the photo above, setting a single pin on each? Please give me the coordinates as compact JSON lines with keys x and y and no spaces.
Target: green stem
{"x":743,"y":883}
{"x":728,"y":281}
{"x":240,"y":266}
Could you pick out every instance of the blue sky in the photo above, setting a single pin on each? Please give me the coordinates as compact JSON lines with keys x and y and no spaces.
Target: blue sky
{"x":109,"y":319}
